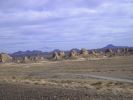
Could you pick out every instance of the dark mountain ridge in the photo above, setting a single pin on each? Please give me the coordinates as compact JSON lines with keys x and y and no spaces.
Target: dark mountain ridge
{"x":111,"y":46}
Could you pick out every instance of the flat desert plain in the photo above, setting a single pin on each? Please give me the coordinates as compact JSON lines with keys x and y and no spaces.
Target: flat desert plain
{"x":93,"y":79}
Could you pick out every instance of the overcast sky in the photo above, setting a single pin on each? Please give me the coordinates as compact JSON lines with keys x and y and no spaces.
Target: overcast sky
{"x":64,"y":24}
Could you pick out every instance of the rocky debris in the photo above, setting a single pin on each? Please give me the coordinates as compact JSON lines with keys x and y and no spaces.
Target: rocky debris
{"x":5,"y":58}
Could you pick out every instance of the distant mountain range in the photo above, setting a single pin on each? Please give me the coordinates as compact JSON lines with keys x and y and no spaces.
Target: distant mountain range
{"x":31,"y":53}
{"x":49,"y":54}
{"x":111,"y":46}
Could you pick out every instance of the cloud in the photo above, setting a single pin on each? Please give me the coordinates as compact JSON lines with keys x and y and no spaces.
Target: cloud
{"x":64,"y":24}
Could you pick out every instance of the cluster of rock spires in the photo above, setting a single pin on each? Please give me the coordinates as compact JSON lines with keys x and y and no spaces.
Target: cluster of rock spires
{"x":27,"y":59}
{"x":84,"y":53}
{"x":58,"y":55}
{"x":72,"y":54}
{"x":5,"y":58}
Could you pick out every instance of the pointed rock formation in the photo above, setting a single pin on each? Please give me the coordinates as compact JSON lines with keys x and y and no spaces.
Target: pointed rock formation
{"x":94,"y":54}
{"x":125,"y":50}
{"x":33,"y":58}
{"x":56,"y":56}
{"x":119,"y":52}
{"x":84,"y":52}
{"x":73,"y":54}
{"x":25,"y":59}
{"x":5,"y":58}
{"x":17,"y":59}
{"x":130,"y":50}
{"x":61,"y":54}
{"x":109,"y":52}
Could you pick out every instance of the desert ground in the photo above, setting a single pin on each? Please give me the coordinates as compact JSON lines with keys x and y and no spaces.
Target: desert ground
{"x":90,"y":79}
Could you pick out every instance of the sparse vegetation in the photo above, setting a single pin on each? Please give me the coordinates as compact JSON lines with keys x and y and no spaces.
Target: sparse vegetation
{"x":67,"y":80}
{"x":36,"y":92}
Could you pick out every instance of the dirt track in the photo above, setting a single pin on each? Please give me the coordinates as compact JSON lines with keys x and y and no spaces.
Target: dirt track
{"x":98,"y":77}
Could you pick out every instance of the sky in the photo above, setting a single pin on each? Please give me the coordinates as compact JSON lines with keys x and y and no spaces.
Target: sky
{"x":64,"y":24}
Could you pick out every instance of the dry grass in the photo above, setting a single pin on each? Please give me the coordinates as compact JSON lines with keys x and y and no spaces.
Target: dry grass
{"x":64,"y":74}
{"x":37,"y":92}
